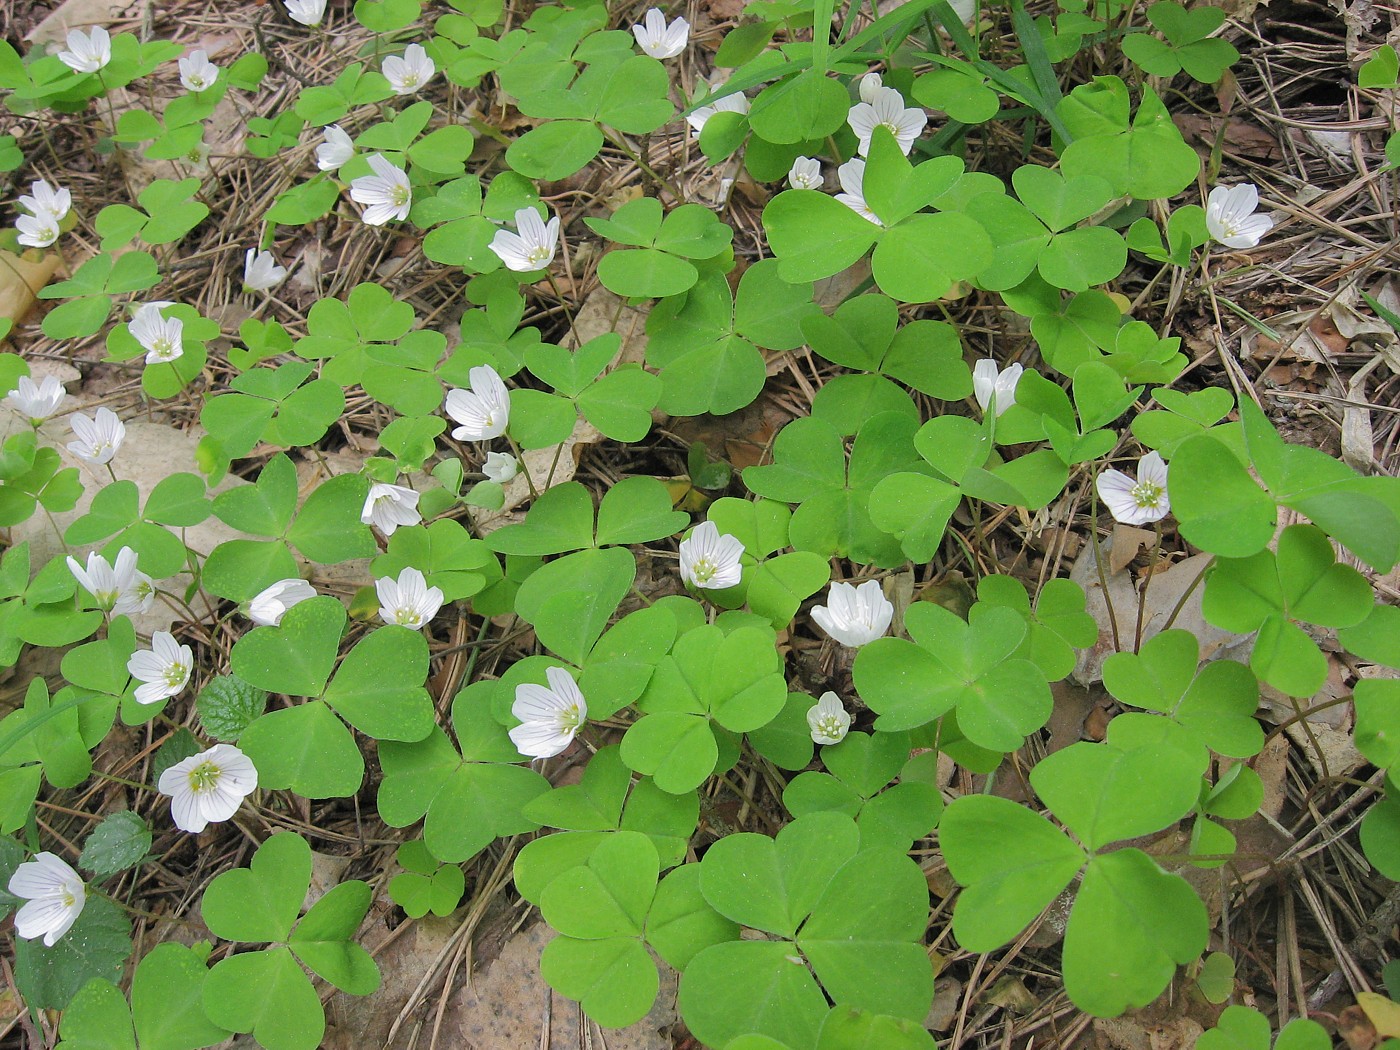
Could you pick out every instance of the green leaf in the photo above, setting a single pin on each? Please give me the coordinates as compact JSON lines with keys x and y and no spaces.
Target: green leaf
{"x":377,"y":687}
{"x":740,"y":987}
{"x":680,"y":923}
{"x":260,"y":903}
{"x":1131,"y":926}
{"x":167,"y":994}
{"x":266,"y":993}
{"x":323,"y":940}
{"x":810,"y":105}
{"x":228,"y":705}
{"x":849,"y":1028}
{"x":305,"y":748}
{"x":97,"y":945}
{"x":614,"y":980}
{"x":815,"y":236}
{"x":121,"y":841}
{"x":98,"y":1019}
{"x":296,"y":656}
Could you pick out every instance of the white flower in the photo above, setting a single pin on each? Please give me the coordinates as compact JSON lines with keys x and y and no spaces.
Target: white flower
{"x":36,"y":401}
{"x":307,"y":12}
{"x":870,"y":87}
{"x":197,"y":72}
{"x":710,"y":560}
{"x":549,"y":718}
{"x":805,"y":174}
{"x":138,"y":593}
{"x":164,"y":668}
{"x":336,"y":148}
{"x":733,"y":103}
{"x":408,"y":74}
{"x":87,"y":52}
{"x":44,"y":200}
{"x":1139,"y":502}
{"x":261,"y":272}
{"x":99,"y":439}
{"x":108,"y":583}
{"x":208,"y":787}
{"x":159,"y":336}
{"x":659,"y":40}
{"x":387,"y":192}
{"x":964,"y":9}
{"x":851,"y":175}
{"x":37,"y":231}
{"x":991,"y":387}
{"x":828,"y":720}
{"x":1230,"y":217}
{"x":500,"y":467}
{"x":855,"y":615}
{"x":389,"y":506}
{"x":887,"y":111}
{"x":55,"y":896}
{"x":530,"y":249}
{"x":407,"y":601}
{"x":484,"y":410}
{"x":271,"y":603}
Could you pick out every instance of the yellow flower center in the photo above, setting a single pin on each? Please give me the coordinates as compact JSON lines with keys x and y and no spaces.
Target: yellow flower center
{"x":204,"y":777}
{"x":1146,"y":494}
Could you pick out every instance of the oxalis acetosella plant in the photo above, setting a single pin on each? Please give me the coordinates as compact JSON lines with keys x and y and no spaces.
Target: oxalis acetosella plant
{"x":813,"y":507}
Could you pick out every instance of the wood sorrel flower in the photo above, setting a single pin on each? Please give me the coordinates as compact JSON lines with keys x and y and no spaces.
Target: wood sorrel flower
{"x":336,"y":148}
{"x":208,"y":788}
{"x":805,"y":174}
{"x":500,"y":467}
{"x":389,"y":506}
{"x":851,"y":175}
{"x":710,"y":560}
{"x":99,"y":438}
{"x":271,"y":603}
{"x":658,"y":39}
{"x":386,"y":194}
{"x":484,"y":410}
{"x":408,"y":74}
{"x":47,"y":201}
{"x":732,"y":103}
{"x":1230,"y":217}
{"x":532,"y":248}
{"x":196,"y":71}
{"x":549,"y":718}
{"x":36,"y":231}
{"x":407,"y":601}
{"x":164,"y":668}
{"x":36,"y":401}
{"x":887,"y":110}
{"x":87,"y":52}
{"x":55,"y":895}
{"x":160,"y":336}
{"x":1139,"y":501}
{"x":109,"y":583}
{"x":855,"y":615}
{"x":261,"y":272}
{"x":828,"y":720}
{"x":307,"y":12}
{"x":995,"y":391}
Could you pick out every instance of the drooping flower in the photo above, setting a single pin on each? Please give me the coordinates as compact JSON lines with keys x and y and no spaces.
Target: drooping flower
{"x":1230,"y":217}
{"x":408,"y":74}
{"x":870,"y":87}
{"x":45,"y":200}
{"x":99,"y":438}
{"x":1139,"y":501}
{"x":137,"y":594}
{"x":549,"y":718}
{"x":36,"y":231}
{"x":805,"y":174}
{"x":828,"y":720}
{"x":55,"y":895}
{"x":335,"y":149}
{"x":261,"y":272}
{"x":196,"y":71}
{"x":658,"y":39}
{"x":407,"y":601}
{"x":732,"y":103}
{"x":887,"y":111}
{"x":500,"y":467}
{"x":851,"y":175}
{"x":208,"y":788}
{"x":164,"y":668}
{"x":484,"y":410}
{"x":271,"y":603}
{"x":307,"y":12}
{"x":160,"y":336}
{"x":386,"y":194}
{"x":710,"y":560}
{"x":36,"y":401}
{"x":855,"y":615}
{"x":991,"y":387}
{"x":389,"y":506}
{"x":532,"y":248}
{"x":87,"y":52}
{"x":106,"y":581}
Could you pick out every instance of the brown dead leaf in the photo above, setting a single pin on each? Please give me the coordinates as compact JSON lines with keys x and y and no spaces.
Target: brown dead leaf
{"x":1356,"y":1028}
{"x":1128,"y":542}
{"x":22,"y":278}
{"x":1241,"y":136}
